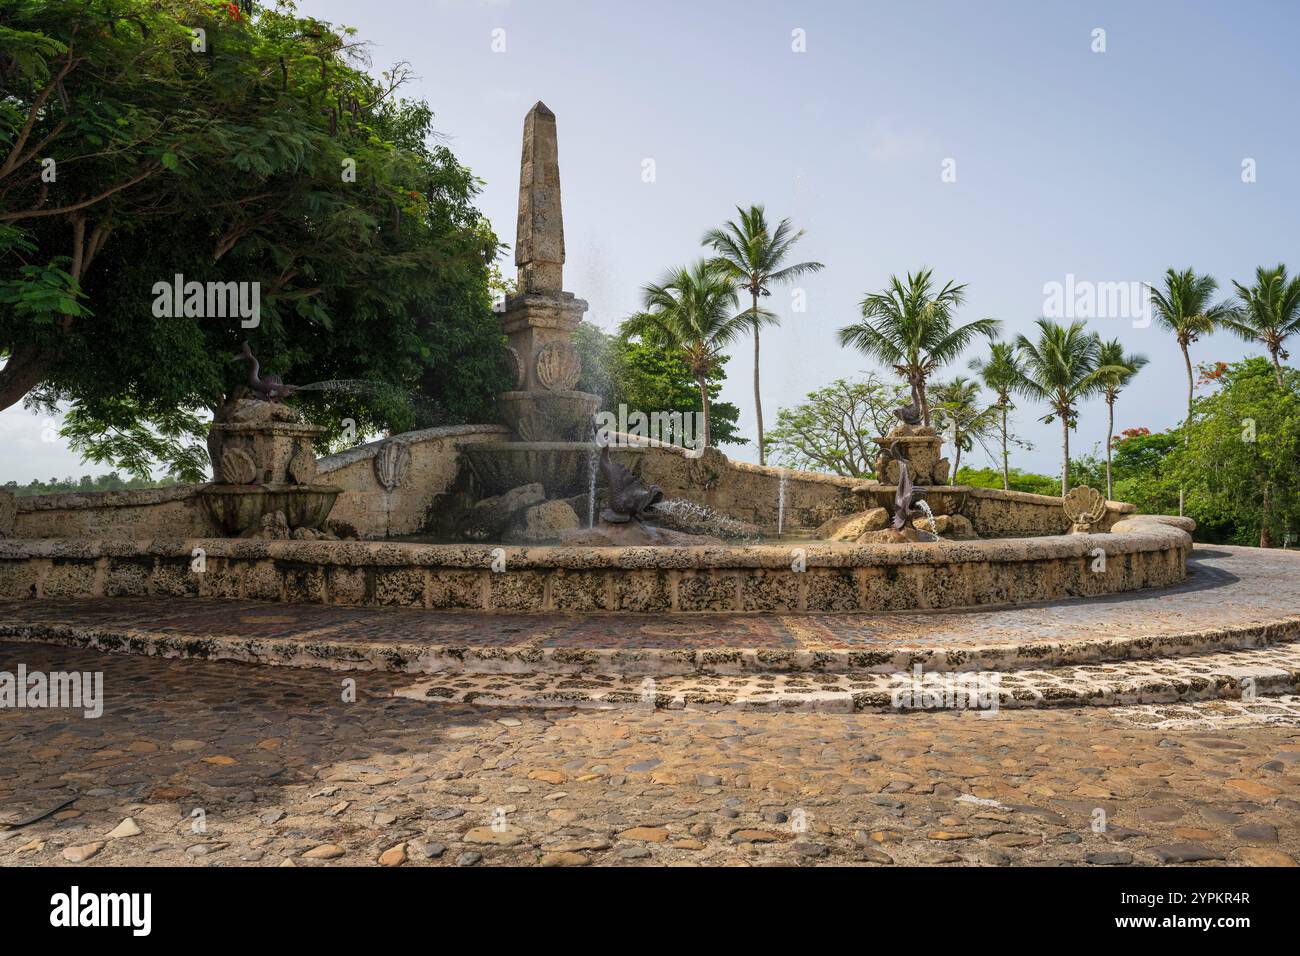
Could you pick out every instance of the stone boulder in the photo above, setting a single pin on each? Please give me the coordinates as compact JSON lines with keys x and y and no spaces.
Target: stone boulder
{"x":8,"y":514}
{"x":951,"y":526}
{"x":491,"y":516}
{"x":634,"y":534}
{"x":543,"y":523}
{"x":851,"y":527}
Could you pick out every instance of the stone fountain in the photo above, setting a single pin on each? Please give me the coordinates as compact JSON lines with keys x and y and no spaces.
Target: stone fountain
{"x":264,"y":466}
{"x":551,"y":423}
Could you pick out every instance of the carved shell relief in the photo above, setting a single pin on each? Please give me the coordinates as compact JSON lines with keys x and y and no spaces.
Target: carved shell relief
{"x":1084,"y":504}
{"x":558,"y":366}
{"x":392,"y":462}
{"x":237,"y":467}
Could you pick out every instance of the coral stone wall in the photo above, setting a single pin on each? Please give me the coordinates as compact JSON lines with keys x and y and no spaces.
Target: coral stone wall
{"x":752,"y":492}
{"x":434,"y":464}
{"x":174,"y":512}
{"x":834,"y":577}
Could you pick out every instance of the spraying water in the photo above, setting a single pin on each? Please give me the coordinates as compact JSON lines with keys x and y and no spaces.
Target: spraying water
{"x":593,"y":467}
{"x":925,"y":506}
{"x":780,"y":502}
{"x":689,"y":516}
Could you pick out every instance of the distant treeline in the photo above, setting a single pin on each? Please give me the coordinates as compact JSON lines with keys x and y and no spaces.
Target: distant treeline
{"x":61,"y":486}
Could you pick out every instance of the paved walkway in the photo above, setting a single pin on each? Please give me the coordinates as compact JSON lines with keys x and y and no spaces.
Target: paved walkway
{"x":1232,"y":598}
{"x":211,"y":764}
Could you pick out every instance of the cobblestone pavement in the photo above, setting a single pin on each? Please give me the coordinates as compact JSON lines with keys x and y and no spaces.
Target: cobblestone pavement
{"x":1232,"y":598}
{"x":214,"y":764}
{"x":1243,"y":673}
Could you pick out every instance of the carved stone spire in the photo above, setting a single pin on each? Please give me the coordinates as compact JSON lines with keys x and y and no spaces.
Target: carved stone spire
{"x":539,"y":241}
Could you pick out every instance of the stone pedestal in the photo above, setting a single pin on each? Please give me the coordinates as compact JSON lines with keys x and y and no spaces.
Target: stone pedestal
{"x":922,"y":448}
{"x":266,"y":474}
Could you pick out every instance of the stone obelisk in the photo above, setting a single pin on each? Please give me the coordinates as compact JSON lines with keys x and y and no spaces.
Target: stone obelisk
{"x":540,"y":318}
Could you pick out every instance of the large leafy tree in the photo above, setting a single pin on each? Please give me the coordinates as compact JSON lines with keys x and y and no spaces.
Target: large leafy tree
{"x":911,"y":327}
{"x":1061,"y":371}
{"x":626,"y":372}
{"x":1002,"y":374}
{"x":754,"y":256}
{"x":1268,"y":312}
{"x":259,"y":151}
{"x":1117,"y":369}
{"x":834,"y":428}
{"x":1185,"y":307}
{"x":692,"y":312}
{"x":1239,"y":467}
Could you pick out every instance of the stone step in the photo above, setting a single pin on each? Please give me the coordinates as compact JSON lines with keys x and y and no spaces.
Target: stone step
{"x":1235,"y":675}
{"x":684,"y":648}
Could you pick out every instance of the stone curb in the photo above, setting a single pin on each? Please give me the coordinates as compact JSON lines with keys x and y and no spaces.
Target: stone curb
{"x":427,"y":658}
{"x":1239,"y":675}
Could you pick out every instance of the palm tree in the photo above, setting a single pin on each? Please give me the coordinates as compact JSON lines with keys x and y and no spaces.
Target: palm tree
{"x":956,"y":404}
{"x":1002,"y":374}
{"x":692,"y":311}
{"x":1269,"y":312}
{"x":1183,"y":307}
{"x":1061,"y":370}
{"x":910,"y":327}
{"x":1116,"y":370}
{"x":753,"y":256}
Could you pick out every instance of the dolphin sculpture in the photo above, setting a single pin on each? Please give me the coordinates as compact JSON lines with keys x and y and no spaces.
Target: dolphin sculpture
{"x":910,"y":414}
{"x":268,"y":387}
{"x":629,"y":496}
{"x":905,"y":494}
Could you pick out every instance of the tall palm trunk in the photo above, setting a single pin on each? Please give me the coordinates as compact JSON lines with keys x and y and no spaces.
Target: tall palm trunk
{"x":1065,"y":459}
{"x":704,"y":405}
{"x":1187,"y":425}
{"x":1277,"y":366}
{"x":758,"y":399}
{"x":1006,"y":478}
{"x":1110,"y":432}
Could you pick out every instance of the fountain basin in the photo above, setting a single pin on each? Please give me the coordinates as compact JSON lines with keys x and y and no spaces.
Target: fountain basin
{"x":562,"y":467}
{"x":238,"y":509}
{"x":549,"y":416}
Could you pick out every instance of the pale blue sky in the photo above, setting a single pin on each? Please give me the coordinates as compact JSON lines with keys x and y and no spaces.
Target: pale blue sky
{"x":1109,"y":166}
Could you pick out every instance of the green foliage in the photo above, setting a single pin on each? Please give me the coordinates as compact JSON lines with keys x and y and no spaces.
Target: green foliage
{"x":1019,"y":480}
{"x":626,"y":372}
{"x":691,"y":313}
{"x":833,"y":429}
{"x":1240,"y":466}
{"x":229,"y":164}
{"x":59,"y":486}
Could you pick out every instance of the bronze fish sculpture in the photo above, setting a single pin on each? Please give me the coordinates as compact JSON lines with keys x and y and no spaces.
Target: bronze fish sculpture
{"x":629,"y":496}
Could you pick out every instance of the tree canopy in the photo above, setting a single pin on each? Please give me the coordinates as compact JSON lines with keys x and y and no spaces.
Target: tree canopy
{"x":225,"y":144}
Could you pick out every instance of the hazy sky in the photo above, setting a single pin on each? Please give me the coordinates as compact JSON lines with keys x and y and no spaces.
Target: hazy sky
{"x":1108,"y":166}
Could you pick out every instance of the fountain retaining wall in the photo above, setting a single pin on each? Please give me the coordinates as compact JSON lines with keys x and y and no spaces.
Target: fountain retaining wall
{"x":1143,"y":552}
